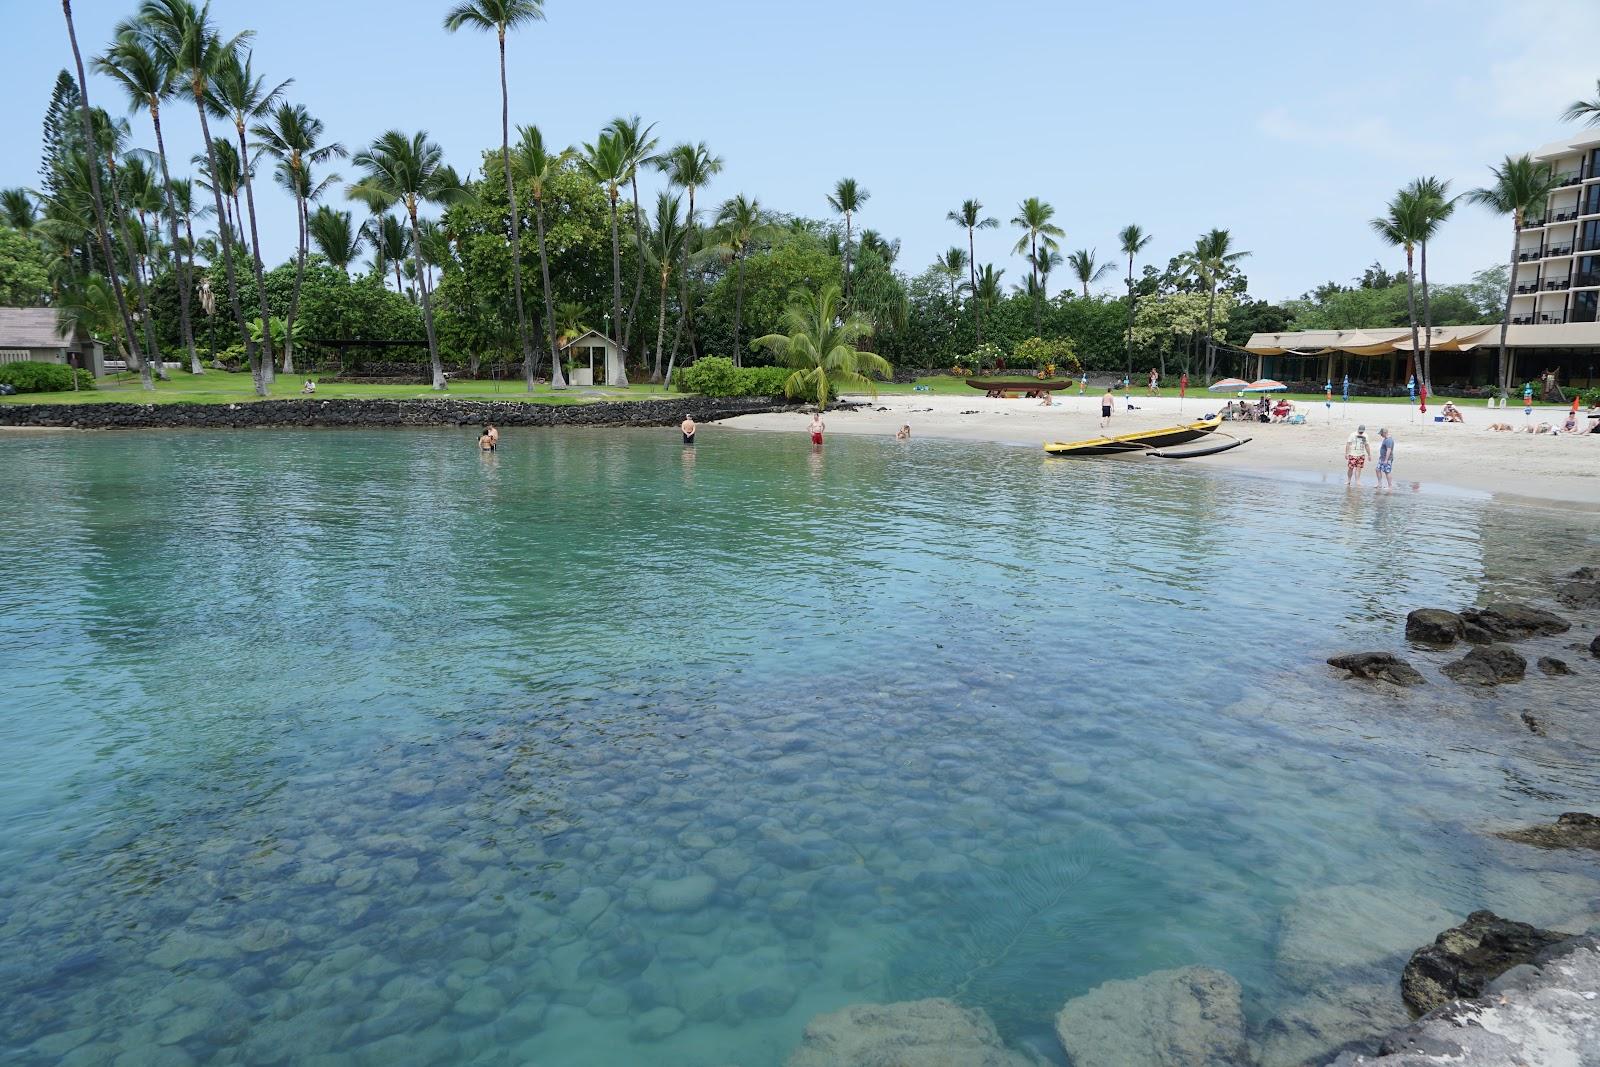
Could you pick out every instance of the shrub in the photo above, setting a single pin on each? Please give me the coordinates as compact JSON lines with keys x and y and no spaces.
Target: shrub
{"x":717,"y":376}
{"x":32,"y":377}
{"x":1055,"y":355}
{"x":987,"y":354}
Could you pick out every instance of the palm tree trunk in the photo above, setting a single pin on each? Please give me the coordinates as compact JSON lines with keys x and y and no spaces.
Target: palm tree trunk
{"x":638,"y":273}
{"x":661,"y":327}
{"x":738,"y":311}
{"x":557,"y":379}
{"x":137,"y":279}
{"x":616,"y":290}
{"x":427,"y":305}
{"x":1211,"y":348}
{"x":516,"y":221}
{"x":185,"y":276}
{"x":1411,"y":312}
{"x":672,"y":358}
{"x":1427,"y":324}
{"x":92,"y":147}
{"x":683,"y":282}
{"x":1503,"y":373}
{"x":1033,"y":268}
{"x":1130,"y":315}
{"x":972,"y":271}
{"x":198,"y":87}
{"x":302,"y":209}
{"x":847,"y":259}
{"x":255,"y":256}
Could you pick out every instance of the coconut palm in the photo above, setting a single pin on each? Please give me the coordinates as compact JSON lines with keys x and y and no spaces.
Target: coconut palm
{"x":391,"y":247}
{"x":690,"y":166}
{"x":638,"y":147}
{"x":17,"y":209}
{"x":886,"y":249}
{"x":1133,"y":241}
{"x":1520,"y":187}
{"x":336,"y":236}
{"x":970,"y":217}
{"x":411,"y":172}
{"x":229,"y":180}
{"x":1402,"y":226}
{"x":188,"y":45}
{"x":1211,"y":257}
{"x":537,"y":167}
{"x":606,"y":163}
{"x":821,"y":345}
{"x":237,"y":94}
{"x":847,"y":199}
{"x":1587,"y":110}
{"x":1033,"y":218}
{"x":292,"y":136}
{"x":570,"y":319}
{"x":92,"y":148}
{"x":740,"y":223}
{"x":664,"y":248}
{"x":989,"y":291}
{"x":952,"y":265}
{"x":502,"y":16}
{"x":180,"y":193}
{"x":1045,"y":261}
{"x":134,"y":64}
{"x":1088,"y":269}
{"x":1438,"y":206}
{"x":111,"y":138}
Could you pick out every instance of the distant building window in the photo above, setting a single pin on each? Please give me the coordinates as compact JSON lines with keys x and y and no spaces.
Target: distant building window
{"x":15,"y":355}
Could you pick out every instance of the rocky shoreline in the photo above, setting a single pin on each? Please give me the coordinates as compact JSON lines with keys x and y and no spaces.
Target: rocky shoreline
{"x":444,"y":411}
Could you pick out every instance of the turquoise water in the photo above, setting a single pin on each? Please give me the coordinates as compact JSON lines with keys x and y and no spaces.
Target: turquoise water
{"x":597,"y":751}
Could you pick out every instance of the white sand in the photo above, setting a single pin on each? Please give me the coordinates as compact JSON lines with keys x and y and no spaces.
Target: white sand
{"x":1563,"y":470}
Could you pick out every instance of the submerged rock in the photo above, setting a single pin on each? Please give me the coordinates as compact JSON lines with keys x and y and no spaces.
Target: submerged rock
{"x":917,"y":1033}
{"x":1464,"y":959}
{"x":1534,"y":725}
{"x":1435,"y":626}
{"x":1488,"y":665}
{"x":1354,"y":928}
{"x":1378,"y":666}
{"x":689,"y":893}
{"x":1594,"y":646}
{"x":1572,"y":829}
{"x":1327,"y":1018}
{"x":1189,"y":1017}
{"x":1511,"y":622}
{"x":1552,"y":666}
{"x":1581,"y":588}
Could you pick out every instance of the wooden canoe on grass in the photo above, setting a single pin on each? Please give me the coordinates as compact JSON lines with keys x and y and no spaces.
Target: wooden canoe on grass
{"x":1138,"y":441}
{"x":1001,"y":386}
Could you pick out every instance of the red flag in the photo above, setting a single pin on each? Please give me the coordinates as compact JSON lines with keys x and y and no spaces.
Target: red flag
{"x":1423,"y":395}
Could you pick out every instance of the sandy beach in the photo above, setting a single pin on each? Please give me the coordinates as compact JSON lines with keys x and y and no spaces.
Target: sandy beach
{"x":1551,"y":470}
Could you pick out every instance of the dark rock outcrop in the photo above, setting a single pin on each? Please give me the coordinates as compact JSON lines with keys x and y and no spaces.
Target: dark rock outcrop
{"x":1511,"y":622}
{"x":1572,"y":829}
{"x":1488,"y":665}
{"x":1435,"y":626}
{"x":1378,"y":666}
{"x":1594,"y":646}
{"x":1183,"y":1018}
{"x":1535,"y":726}
{"x":1552,"y":666}
{"x":1580,"y":589}
{"x":1466,"y":958}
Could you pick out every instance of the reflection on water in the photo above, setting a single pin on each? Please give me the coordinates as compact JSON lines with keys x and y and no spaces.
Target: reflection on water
{"x":369,"y":745}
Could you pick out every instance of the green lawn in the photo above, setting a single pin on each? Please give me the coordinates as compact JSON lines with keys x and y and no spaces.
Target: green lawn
{"x":221,"y":387}
{"x":946,"y":385}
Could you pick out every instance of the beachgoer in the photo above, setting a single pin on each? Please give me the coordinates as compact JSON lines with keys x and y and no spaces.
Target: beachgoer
{"x":485,"y":442}
{"x":688,"y":428}
{"x":494,"y":435}
{"x":903,"y":433}
{"x":1385,"y":460}
{"x":1501,"y":427}
{"x":1155,"y":381}
{"x":1107,"y":402}
{"x":817,"y":427}
{"x":1452,"y":413}
{"x":1357,"y":451}
{"x":1083,"y":383}
{"x":1527,"y":400}
{"x":309,"y":388}
{"x":1571,"y":425}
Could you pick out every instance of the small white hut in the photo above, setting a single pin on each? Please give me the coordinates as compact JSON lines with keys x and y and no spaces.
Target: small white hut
{"x":35,"y":334}
{"x":585,"y":351}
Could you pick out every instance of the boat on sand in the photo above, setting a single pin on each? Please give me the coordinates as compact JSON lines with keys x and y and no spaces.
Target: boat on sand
{"x":1149,"y":442}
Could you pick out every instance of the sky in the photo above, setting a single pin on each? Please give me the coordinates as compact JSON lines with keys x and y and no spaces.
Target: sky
{"x":1288,"y":124}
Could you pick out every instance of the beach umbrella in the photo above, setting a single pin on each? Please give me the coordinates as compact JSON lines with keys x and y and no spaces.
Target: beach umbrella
{"x":1264,"y":385}
{"x":1229,"y":385}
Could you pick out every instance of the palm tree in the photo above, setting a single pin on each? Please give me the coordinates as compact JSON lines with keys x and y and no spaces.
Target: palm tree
{"x":606,"y":162}
{"x":139,"y":69}
{"x":1047,"y":260}
{"x":1520,"y":187}
{"x":740,"y":223}
{"x":666,"y":245}
{"x":638,"y":148}
{"x":570,"y":317}
{"x":1438,"y":205}
{"x":821,"y":345}
{"x":17,"y":209}
{"x":391,"y":246}
{"x":690,"y":166}
{"x":1133,"y":241}
{"x":111,"y":137}
{"x":92,"y":148}
{"x":988,"y":291}
{"x":1087,"y":268}
{"x":847,"y":199}
{"x":411,"y":171}
{"x":1588,"y":110}
{"x":537,"y":167}
{"x":1211,"y":257}
{"x":969,"y":216}
{"x":237,"y":94}
{"x":502,"y":16}
{"x":953,"y":264}
{"x":1033,"y":218}
{"x":180,"y":192}
{"x":293,"y":136}
{"x":1402,"y":226}
{"x":336,"y":236}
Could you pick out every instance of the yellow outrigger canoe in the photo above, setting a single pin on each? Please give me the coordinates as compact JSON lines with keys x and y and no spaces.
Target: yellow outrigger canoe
{"x":1147,"y":441}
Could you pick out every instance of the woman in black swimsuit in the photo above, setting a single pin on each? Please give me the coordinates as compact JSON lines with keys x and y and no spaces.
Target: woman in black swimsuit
{"x":688,"y":429}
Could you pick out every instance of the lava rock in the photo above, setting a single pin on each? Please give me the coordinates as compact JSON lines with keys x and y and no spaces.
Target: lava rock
{"x":1594,"y":646}
{"x":1488,"y":665}
{"x":1514,"y":622}
{"x":918,"y":1033}
{"x":1552,"y":666}
{"x":1466,"y":958}
{"x":1581,"y":588}
{"x":1189,"y":1017}
{"x":1378,"y":666}
{"x":1572,"y":829}
{"x":1534,"y":725}
{"x":1435,"y":626}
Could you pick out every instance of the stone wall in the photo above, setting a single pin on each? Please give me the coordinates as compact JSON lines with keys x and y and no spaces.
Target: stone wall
{"x":444,"y":411}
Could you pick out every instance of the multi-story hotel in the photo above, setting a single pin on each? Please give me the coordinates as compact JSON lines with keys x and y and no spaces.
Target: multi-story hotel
{"x":1558,"y":260}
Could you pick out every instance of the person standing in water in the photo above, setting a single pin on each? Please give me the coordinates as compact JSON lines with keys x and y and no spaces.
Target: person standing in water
{"x":817,"y":427}
{"x":1357,"y":451}
{"x":1107,"y":402}
{"x":1385,"y":460}
{"x":688,"y":428}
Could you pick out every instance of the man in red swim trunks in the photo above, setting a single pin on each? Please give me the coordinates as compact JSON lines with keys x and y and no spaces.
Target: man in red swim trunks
{"x":1356,"y":454}
{"x":816,"y":428}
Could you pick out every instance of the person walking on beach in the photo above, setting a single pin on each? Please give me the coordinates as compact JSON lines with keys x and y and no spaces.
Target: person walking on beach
{"x":1385,"y":460}
{"x":1357,"y":451}
{"x":817,"y":427}
{"x":1155,"y":382}
{"x":688,"y":428}
{"x":1107,"y":402}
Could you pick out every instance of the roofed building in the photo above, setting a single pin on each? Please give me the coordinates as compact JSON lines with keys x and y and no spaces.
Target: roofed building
{"x":35,"y":334}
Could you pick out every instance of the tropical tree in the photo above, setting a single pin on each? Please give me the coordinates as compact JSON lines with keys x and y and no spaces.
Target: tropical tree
{"x":91,"y":147}
{"x":1587,"y":110}
{"x":690,"y":166}
{"x":410,"y":171}
{"x":951,"y":266}
{"x":820,"y":343}
{"x":1212,"y":255}
{"x":537,"y":167}
{"x":292,"y":136}
{"x":606,"y":163}
{"x":1133,"y":240}
{"x":740,"y":223}
{"x":847,"y":199}
{"x":139,"y":68}
{"x":1521,"y":187}
{"x":571,"y":318}
{"x":17,"y":209}
{"x":1033,"y":218}
{"x":988,"y":292}
{"x":1437,"y":207}
{"x":1088,"y":269}
{"x":336,"y":236}
{"x":502,"y":16}
{"x":638,"y":146}
{"x":969,"y":216}
{"x":1402,"y":225}
{"x":665,"y":247}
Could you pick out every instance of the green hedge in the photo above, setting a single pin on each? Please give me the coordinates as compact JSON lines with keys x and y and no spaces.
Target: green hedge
{"x":717,"y":376}
{"x":32,"y":377}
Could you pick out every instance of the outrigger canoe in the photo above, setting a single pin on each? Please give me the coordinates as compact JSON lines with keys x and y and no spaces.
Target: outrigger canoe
{"x":1030,"y":386}
{"x":1145,"y":441}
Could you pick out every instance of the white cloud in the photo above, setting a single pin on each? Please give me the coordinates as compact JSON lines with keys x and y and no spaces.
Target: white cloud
{"x":1371,"y":135}
{"x":1539,"y":72}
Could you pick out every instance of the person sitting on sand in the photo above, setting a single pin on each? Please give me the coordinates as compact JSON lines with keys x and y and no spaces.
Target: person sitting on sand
{"x":309,"y":388}
{"x":688,"y":427}
{"x":903,"y":433}
{"x":1453,"y":413}
{"x":1502,"y":427}
{"x":1571,"y":423}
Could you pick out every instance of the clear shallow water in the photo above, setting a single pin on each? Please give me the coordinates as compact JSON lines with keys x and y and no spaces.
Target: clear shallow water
{"x":597,"y":751}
